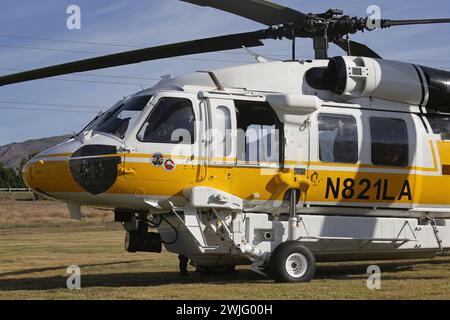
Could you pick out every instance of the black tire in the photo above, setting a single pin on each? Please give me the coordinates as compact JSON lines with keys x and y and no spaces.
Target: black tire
{"x":303,"y":263}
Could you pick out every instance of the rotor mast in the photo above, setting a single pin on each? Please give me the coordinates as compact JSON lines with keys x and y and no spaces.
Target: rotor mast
{"x":321,"y":46}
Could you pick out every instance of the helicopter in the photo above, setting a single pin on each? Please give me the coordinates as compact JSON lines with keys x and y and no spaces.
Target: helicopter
{"x":277,"y":165}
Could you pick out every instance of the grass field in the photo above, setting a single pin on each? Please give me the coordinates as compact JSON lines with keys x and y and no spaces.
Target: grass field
{"x":33,"y":266}
{"x":21,"y":213}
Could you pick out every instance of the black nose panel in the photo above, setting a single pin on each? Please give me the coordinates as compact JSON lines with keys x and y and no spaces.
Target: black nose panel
{"x":94,"y":167}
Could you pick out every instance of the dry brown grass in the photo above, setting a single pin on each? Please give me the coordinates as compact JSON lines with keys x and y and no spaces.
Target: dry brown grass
{"x":33,"y":267}
{"x":18,"y":212}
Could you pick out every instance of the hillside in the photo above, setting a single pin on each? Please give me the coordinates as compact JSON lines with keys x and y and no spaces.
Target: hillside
{"x":11,"y":154}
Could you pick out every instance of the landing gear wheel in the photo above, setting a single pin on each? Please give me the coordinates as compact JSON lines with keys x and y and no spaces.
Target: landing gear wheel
{"x":292,"y":262}
{"x":209,"y":271}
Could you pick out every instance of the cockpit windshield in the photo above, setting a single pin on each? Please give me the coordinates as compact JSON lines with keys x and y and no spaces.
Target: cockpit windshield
{"x":122,"y":117}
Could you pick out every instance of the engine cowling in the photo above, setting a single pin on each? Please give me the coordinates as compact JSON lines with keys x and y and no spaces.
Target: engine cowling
{"x":356,"y":77}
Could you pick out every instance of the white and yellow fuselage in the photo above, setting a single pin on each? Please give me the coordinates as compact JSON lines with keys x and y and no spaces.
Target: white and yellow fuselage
{"x":419,"y":186}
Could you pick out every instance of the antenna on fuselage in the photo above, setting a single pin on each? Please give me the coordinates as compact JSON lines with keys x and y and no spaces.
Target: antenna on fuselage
{"x":254,"y":55}
{"x":214,"y":79}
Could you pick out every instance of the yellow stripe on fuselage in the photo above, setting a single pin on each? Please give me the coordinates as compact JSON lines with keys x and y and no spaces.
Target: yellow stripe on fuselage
{"x":260,"y":182}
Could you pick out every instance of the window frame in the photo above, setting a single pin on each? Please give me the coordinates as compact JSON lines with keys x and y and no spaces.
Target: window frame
{"x":101,"y":117}
{"x":357,"y":136}
{"x":408,"y":148}
{"x":150,"y":114}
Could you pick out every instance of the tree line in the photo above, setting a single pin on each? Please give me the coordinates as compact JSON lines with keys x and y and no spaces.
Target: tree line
{"x":12,"y":178}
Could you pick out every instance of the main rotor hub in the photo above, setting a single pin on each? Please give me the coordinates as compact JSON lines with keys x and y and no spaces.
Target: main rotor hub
{"x":330,"y":26}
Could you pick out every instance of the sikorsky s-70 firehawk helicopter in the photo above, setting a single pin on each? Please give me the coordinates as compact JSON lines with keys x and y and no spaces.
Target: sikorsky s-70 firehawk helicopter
{"x":273,"y":164}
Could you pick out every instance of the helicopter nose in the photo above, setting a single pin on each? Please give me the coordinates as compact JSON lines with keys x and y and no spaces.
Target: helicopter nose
{"x":63,"y":172}
{"x":47,"y":174}
{"x":26,"y":175}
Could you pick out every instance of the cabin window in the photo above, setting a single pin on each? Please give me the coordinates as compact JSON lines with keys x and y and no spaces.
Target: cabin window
{"x":222,"y":142}
{"x":389,"y":142}
{"x":338,"y":138}
{"x":259,"y":133}
{"x":171,"y":121}
{"x":440,"y":125}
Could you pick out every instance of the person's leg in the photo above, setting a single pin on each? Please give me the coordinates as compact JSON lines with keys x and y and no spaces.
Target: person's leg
{"x":183,"y":264}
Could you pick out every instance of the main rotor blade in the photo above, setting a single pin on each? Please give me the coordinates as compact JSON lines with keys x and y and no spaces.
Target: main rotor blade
{"x":228,"y":42}
{"x":261,"y":11}
{"x":356,"y":48}
{"x":393,"y":23}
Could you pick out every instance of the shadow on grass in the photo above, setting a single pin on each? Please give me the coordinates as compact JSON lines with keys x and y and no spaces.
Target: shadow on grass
{"x":360,"y":270}
{"x":149,"y":279}
{"x":136,"y":279}
{"x":36,"y":270}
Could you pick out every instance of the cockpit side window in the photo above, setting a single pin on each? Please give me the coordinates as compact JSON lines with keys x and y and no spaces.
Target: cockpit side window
{"x":338,"y":138}
{"x":121,"y":119}
{"x":171,"y":121}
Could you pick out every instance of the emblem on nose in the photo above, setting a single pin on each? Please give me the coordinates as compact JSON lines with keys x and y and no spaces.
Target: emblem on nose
{"x":94,"y":167}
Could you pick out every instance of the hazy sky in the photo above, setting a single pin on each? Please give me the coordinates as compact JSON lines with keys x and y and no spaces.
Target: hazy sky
{"x":34,"y":34}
